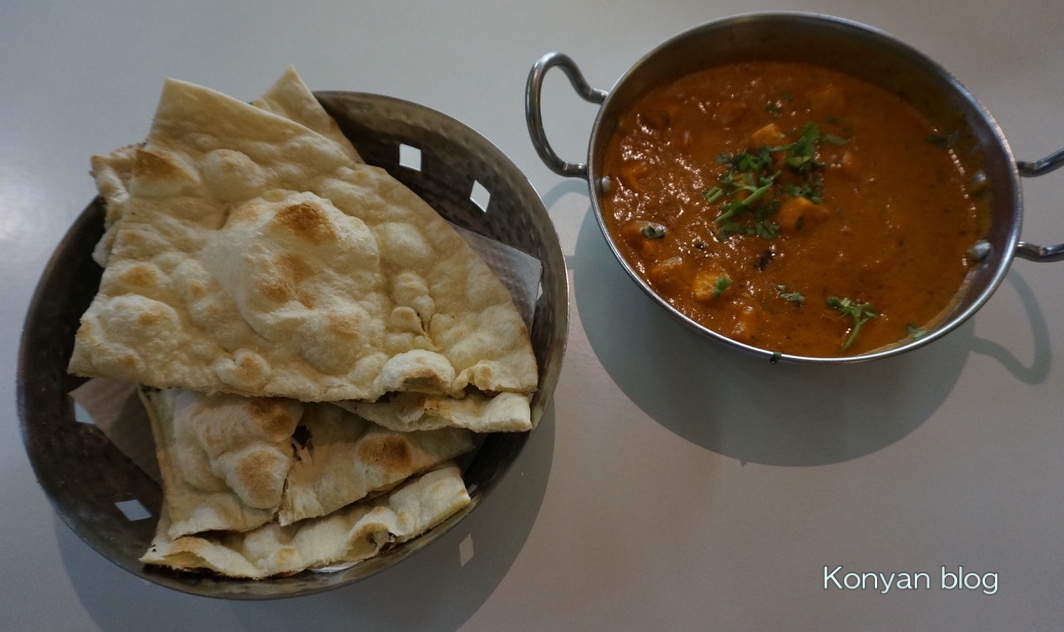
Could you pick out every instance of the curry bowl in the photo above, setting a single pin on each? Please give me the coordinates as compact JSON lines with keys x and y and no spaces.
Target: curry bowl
{"x":975,"y":144}
{"x":97,"y":488}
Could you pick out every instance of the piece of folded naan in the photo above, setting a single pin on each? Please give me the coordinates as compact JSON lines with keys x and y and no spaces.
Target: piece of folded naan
{"x":341,"y":458}
{"x":231,"y":463}
{"x":353,"y":534}
{"x":287,"y":97}
{"x":253,"y":253}
{"x":505,"y":412}
{"x":223,"y":459}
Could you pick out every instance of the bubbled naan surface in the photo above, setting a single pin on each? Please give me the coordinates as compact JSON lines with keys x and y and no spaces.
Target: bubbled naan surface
{"x":255,"y":254}
{"x":406,"y":412}
{"x":224,"y":459}
{"x":353,"y":534}
{"x":341,"y":458}
{"x":232,"y":463}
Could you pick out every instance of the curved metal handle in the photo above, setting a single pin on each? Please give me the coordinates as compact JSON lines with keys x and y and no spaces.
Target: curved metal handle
{"x":1025,"y":250}
{"x":534,"y":112}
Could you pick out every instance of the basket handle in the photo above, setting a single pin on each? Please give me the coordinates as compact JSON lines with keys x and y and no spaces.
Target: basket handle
{"x":534,"y":111}
{"x":1026,"y":250}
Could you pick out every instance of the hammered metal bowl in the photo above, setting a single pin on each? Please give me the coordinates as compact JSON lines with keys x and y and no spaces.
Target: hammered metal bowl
{"x":845,"y":46}
{"x":89,"y":481}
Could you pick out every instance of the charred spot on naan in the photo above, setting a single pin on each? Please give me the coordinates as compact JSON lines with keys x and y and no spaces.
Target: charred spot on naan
{"x":258,"y":477}
{"x":244,"y":372}
{"x":159,"y":172}
{"x":307,"y":221}
{"x":275,"y":417}
{"x":287,"y":272}
{"x":388,"y":452}
{"x":345,"y":325}
{"x":142,"y":275}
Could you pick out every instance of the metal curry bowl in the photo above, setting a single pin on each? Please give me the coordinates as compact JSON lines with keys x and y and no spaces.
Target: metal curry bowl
{"x":88,"y":480}
{"x":841,"y":45}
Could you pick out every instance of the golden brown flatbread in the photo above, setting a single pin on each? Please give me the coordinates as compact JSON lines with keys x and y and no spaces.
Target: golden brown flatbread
{"x":505,"y":412}
{"x":287,"y":97}
{"x":233,"y":463}
{"x":353,"y":534}
{"x":341,"y":458}
{"x":290,"y":98}
{"x":223,"y":459}
{"x":255,"y":255}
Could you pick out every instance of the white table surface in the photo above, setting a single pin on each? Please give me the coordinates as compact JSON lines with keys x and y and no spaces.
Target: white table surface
{"x":674,"y":485}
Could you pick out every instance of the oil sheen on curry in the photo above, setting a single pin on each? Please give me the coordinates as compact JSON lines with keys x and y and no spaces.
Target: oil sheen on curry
{"x":791,"y":208}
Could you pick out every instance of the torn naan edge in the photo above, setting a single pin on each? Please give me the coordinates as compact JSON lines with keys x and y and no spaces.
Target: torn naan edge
{"x":223,"y":459}
{"x":353,"y":534}
{"x":342,"y":458}
{"x":255,"y":256}
{"x":404,"y":412}
{"x":112,"y":173}
{"x":232,"y":463}
{"x":288,"y":97}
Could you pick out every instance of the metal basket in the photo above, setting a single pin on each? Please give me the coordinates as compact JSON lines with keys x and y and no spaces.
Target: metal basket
{"x":86,"y":478}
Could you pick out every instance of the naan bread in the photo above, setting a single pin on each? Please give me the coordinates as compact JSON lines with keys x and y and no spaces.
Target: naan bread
{"x":255,"y":255}
{"x":112,"y":173}
{"x":287,"y":97}
{"x":232,"y":463}
{"x":223,"y":459}
{"x":353,"y":534}
{"x":341,"y":458}
{"x":403,"y":412}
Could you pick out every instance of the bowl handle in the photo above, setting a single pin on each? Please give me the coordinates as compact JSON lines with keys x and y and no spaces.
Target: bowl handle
{"x":534,"y":112}
{"x":1029,"y":251}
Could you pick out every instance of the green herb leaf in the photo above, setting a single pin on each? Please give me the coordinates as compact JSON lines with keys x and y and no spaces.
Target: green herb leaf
{"x":861,"y":313}
{"x":712,"y":195}
{"x":764,"y":229}
{"x":793,"y":297}
{"x":722,"y":284}
{"x":832,"y":139}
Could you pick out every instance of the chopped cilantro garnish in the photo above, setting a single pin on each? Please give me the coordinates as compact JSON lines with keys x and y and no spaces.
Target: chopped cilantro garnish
{"x":861,"y":313}
{"x":793,"y":297}
{"x":721,"y":284}
{"x":752,"y":188}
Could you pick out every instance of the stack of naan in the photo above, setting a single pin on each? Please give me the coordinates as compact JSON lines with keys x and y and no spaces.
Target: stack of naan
{"x":315,"y":344}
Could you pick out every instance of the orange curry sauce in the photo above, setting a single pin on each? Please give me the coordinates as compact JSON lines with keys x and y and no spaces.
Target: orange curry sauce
{"x":785,"y":206}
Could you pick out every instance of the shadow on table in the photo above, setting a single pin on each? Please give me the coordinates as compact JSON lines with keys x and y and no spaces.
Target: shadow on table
{"x":743,"y":407}
{"x":430,"y":590}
